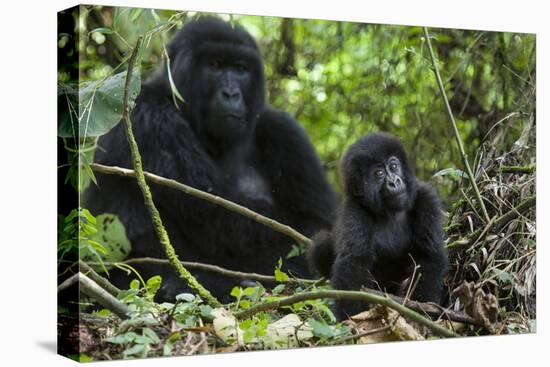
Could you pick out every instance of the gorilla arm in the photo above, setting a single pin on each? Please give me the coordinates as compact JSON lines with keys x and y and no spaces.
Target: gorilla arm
{"x":295,"y":172}
{"x":354,"y":260}
{"x":427,"y":244}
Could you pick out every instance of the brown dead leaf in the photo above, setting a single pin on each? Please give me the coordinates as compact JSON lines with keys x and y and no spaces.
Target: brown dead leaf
{"x":480,"y":305}
{"x":391,"y":326}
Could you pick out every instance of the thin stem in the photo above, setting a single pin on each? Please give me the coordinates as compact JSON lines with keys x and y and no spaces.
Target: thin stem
{"x":229,"y":205}
{"x":147,"y":196}
{"x":208,"y":267}
{"x":455,"y":128}
{"x":349,"y":295}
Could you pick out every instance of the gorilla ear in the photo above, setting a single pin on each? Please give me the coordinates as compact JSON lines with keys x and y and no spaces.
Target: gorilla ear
{"x":353,"y":183}
{"x":180,"y":67}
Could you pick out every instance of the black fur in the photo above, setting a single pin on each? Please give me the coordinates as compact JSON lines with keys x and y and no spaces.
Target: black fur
{"x":377,"y":235}
{"x":225,"y":140}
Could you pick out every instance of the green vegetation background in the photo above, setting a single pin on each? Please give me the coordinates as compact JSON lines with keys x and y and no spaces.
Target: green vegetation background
{"x":342,"y":80}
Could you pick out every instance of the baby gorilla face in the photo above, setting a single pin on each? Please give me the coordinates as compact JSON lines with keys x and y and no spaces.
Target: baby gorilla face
{"x":377,"y":175}
{"x":387,"y":178}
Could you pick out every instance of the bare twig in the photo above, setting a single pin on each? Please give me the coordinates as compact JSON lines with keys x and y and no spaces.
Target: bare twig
{"x":147,"y":196}
{"x":229,"y":205}
{"x":455,"y":128}
{"x":362,"y":334}
{"x":208,"y":267}
{"x":349,"y":295}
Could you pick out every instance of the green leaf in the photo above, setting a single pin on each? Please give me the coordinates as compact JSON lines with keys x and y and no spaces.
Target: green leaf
{"x":278,"y":289}
{"x":169,"y":343}
{"x":153,"y":285}
{"x":504,"y":276}
{"x":236,"y":292}
{"x":320,"y":329}
{"x":151,"y":335}
{"x":122,"y":338}
{"x":296,"y":250}
{"x":138,"y":348}
{"x":134,"y":284}
{"x":135,"y":14}
{"x":111,"y":236}
{"x":185,"y":297}
{"x":453,"y":172}
{"x":103,"y":30}
{"x":85,"y":358}
{"x":94,"y":108}
{"x":206,"y":310}
{"x":280,"y":276}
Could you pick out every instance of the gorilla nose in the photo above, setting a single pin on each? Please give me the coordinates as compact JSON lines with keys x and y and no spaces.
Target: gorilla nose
{"x":231,"y":95}
{"x":394,"y":185}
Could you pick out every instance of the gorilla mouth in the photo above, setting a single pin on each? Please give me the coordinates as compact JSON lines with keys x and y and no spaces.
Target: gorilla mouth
{"x":230,"y":116}
{"x":394,"y":194}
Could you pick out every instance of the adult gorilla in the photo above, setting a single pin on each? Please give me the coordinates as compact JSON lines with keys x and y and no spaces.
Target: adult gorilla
{"x":225,"y":140}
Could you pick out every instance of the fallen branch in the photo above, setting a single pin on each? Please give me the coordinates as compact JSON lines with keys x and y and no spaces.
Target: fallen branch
{"x":103,"y":283}
{"x":224,"y":203}
{"x":147,"y":196}
{"x":349,"y":295}
{"x":67,"y":283}
{"x":93,"y":290}
{"x":455,"y":128}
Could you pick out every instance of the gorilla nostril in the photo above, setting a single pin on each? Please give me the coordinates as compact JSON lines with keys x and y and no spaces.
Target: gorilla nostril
{"x":230,"y":95}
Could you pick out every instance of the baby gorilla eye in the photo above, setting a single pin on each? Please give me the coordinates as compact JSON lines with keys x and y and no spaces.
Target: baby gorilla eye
{"x":379,"y":173}
{"x":393,"y":166}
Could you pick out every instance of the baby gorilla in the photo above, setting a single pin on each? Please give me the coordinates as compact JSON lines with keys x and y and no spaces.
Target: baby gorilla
{"x":387,"y":223}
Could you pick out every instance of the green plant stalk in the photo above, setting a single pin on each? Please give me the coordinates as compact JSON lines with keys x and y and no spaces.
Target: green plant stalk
{"x":455,"y":128}
{"x":349,"y":295}
{"x":148,"y":197}
{"x":530,"y":169}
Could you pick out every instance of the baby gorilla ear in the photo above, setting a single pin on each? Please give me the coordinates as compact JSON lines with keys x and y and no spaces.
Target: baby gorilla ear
{"x":353,"y":179}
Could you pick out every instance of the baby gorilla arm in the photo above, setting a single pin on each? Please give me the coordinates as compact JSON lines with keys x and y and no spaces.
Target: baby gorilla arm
{"x":353,"y":264}
{"x":427,"y":245}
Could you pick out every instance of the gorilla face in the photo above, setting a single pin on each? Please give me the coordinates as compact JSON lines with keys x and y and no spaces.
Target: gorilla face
{"x":225,"y":111}
{"x":385,"y":180}
{"x":218,"y":70}
{"x":377,"y":175}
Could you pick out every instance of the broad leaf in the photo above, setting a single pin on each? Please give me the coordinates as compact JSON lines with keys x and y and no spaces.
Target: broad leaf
{"x":94,"y":108}
{"x":111,"y":234}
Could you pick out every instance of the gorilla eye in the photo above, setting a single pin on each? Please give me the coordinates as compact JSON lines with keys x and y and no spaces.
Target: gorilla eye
{"x":393,"y":166}
{"x":241,"y":68}
{"x":215,"y":64}
{"x":379,"y":173}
